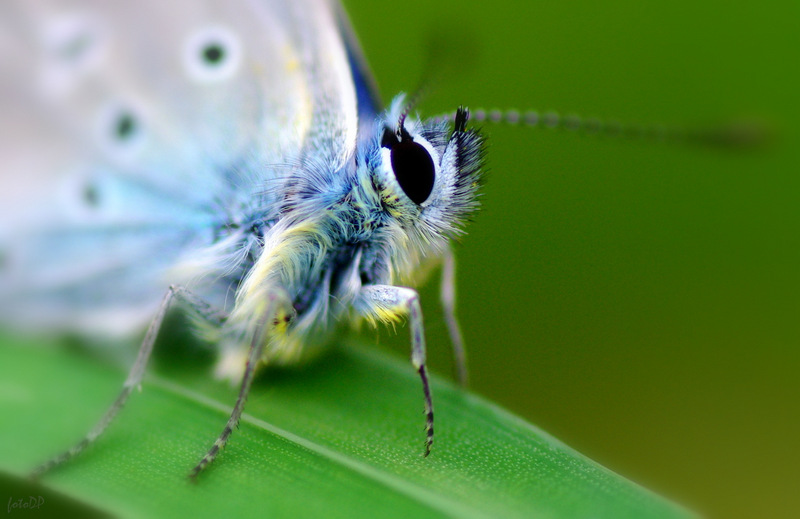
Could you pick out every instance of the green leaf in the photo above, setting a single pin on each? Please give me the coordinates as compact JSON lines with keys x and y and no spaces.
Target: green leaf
{"x":341,"y":438}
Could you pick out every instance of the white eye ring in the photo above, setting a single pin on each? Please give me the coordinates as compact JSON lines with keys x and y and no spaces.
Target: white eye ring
{"x":212,"y":54}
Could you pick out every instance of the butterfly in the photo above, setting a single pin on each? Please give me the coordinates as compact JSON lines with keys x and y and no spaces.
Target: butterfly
{"x":256,"y":182}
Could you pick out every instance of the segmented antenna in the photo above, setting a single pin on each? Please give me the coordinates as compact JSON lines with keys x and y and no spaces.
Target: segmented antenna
{"x":741,"y":134}
{"x":411,"y":103}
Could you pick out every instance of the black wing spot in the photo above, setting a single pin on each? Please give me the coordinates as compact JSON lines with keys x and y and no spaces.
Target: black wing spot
{"x":125,"y":126}
{"x":213,"y":54}
{"x":91,"y":196}
{"x":77,"y":47}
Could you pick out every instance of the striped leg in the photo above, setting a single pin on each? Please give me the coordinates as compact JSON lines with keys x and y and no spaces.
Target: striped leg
{"x":388,"y":303}
{"x":136,"y":373}
{"x":258,"y":342}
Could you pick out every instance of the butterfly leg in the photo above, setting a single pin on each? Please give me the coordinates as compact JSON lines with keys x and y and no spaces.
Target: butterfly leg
{"x":448,"y":295}
{"x":195,"y":304}
{"x":389,"y":303}
{"x":257,"y":344}
{"x":136,"y":373}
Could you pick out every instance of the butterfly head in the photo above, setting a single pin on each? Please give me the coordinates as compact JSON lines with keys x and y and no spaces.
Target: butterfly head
{"x":427,"y":175}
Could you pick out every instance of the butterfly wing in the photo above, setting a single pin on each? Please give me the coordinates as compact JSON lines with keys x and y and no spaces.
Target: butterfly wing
{"x":133,"y":137}
{"x":367,"y":94}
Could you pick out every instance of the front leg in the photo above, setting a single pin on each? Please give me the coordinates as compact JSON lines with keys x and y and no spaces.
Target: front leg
{"x":388,"y":303}
{"x":192,"y":303}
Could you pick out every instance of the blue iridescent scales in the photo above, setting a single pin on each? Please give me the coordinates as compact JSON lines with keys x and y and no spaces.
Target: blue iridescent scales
{"x":296,"y":204}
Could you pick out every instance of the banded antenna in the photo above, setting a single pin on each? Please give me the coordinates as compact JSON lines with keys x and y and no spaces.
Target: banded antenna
{"x":742,"y":134}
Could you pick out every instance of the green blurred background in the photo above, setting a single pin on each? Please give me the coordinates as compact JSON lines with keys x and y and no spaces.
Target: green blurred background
{"x":640,"y":301}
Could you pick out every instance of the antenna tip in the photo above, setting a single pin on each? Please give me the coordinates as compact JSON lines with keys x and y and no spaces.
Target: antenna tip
{"x":738,"y":134}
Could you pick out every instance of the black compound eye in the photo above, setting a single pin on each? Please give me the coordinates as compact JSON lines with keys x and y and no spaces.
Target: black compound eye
{"x":414,"y":169}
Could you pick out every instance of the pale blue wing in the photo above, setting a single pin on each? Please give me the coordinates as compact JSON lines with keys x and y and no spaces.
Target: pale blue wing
{"x":135,"y":138}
